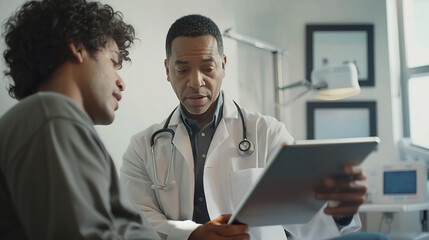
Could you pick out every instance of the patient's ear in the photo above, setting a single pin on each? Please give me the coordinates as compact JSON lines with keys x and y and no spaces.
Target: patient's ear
{"x":77,"y":51}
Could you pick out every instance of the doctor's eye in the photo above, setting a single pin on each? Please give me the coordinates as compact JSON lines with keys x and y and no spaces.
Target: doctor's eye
{"x":209,"y":69}
{"x":182,"y":70}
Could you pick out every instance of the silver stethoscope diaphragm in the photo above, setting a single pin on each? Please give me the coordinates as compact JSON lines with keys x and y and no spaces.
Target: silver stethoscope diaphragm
{"x":245,"y":148}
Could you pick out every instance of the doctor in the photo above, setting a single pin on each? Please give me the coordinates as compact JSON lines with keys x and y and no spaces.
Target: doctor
{"x":197,"y":164}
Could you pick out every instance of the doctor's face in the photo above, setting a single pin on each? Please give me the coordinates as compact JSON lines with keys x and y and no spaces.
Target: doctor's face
{"x":195,"y":71}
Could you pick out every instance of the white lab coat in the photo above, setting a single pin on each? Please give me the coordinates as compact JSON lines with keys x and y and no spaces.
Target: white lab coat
{"x":170,"y":210}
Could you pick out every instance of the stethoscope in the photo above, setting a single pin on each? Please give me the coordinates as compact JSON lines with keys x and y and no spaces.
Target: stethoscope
{"x":245,"y":148}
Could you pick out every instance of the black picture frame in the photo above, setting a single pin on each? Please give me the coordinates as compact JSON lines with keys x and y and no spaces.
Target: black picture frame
{"x":341,"y":119}
{"x":335,"y":44}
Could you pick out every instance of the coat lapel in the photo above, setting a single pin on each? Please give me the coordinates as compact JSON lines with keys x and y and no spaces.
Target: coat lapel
{"x":181,"y":139}
{"x":222,"y":136}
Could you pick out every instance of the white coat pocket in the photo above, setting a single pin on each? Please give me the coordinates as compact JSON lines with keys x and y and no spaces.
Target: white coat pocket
{"x":242,"y":181}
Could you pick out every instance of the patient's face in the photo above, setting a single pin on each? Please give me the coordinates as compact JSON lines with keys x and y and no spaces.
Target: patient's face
{"x":101,"y":85}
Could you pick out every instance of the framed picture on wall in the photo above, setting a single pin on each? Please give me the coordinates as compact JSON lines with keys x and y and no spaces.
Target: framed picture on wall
{"x":329,"y":120}
{"x":328,"y":45}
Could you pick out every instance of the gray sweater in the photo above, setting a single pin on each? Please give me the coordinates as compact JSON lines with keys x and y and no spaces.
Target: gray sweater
{"x":57,"y":181}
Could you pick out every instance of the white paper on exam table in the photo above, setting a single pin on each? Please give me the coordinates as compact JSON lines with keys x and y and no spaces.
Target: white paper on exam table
{"x":283,"y":193}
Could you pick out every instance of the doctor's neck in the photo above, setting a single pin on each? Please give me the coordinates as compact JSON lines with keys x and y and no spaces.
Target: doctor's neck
{"x":204,"y":118}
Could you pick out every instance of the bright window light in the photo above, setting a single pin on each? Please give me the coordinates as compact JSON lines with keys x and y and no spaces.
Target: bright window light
{"x":419,"y":113}
{"x":416,"y":34}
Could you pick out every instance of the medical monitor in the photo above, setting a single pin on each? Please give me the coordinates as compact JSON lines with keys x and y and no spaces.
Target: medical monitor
{"x":401,"y":182}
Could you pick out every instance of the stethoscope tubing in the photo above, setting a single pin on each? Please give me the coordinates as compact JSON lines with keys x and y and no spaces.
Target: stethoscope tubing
{"x":245,"y":148}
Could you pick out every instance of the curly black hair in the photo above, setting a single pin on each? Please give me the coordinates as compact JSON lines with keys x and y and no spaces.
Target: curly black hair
{"x":193,"y":25}
{"x":37,"y":38}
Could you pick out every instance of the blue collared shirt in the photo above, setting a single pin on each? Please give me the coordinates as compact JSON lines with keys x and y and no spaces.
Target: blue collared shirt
{"x":200,"y":142}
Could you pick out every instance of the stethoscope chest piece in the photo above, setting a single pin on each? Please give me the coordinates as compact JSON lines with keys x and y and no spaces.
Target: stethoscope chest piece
{"x":245,"y":148}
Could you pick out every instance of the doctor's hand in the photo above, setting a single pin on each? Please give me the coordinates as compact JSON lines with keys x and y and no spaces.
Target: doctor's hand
{"x":344,"y":193}
{"x":219,"y":229}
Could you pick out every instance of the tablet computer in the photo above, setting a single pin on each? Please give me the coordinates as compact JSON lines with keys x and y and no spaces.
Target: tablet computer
{"x":283,"y":193}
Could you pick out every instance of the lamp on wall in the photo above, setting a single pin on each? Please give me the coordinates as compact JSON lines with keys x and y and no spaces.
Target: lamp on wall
{"x":331,"y":83}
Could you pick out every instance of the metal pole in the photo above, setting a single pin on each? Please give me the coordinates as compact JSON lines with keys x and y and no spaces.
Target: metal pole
{"x":277,"y":62}
{"x":278,"y":82}
{"x":253,"y":42}
{"x":424,"y":220}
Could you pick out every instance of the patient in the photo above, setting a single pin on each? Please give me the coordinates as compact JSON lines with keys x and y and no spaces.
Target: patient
{"x":57,"y":181}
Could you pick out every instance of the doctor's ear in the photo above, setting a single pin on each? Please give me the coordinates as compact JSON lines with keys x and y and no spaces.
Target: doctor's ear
{"x":167,"y":70}
{"x":224,"y":62}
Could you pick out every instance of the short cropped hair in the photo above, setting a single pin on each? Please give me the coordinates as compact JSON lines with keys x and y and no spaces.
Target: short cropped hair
{"x":37,"y":38}
{"x":193,"y":26}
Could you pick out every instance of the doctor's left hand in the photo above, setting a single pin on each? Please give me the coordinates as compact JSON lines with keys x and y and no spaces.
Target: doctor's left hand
{"x":345,"y":193}
{"x":219,"y":229}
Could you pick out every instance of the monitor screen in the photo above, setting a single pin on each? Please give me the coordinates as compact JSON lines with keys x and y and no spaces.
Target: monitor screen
{"x":400,"y":182}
